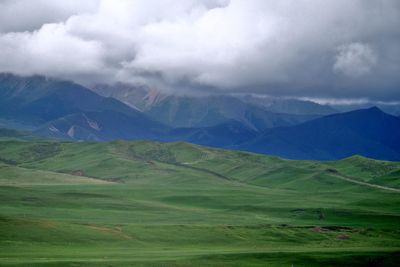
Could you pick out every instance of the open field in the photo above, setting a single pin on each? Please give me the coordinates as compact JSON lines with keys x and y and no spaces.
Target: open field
{"x":177,"y":204}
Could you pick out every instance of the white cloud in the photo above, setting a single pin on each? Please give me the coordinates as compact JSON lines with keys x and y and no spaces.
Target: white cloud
{"x":27,"y":15}
{"x":355,"y":59}
{"x":336,"y":101}
{"x":276,"y":47}
{"x":50,"y":50}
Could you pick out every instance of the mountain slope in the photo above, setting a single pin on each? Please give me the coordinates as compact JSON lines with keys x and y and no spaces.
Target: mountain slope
{"x":289,"y":106}
{"x":185,"y":111}
{"x":221,"y":135}
{"x":67,"y":110}
{"x":370,"y":132}
{"x":389,"y":108}
{"x":39,"y":99}
{"x":205,"y":111}
{"x":102,"y":126}
{"x":138,"y":97}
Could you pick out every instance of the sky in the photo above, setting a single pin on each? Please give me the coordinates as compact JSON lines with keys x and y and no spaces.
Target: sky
{"x":334,"y":49}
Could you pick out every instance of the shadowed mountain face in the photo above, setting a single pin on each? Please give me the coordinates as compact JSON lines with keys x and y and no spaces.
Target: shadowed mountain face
{"x":390,"y":108}
{"x":289,"y":106}
{"x":137,"y":97}
{"x":102,"y":126}
{"x":65,"y":110}
{"x":369,"y":132}
{"x":68,"y":110}
{"x":184,"y":111}
{"x":222,"y":135}
{"x":38,"y":99}
{"x":205,"y":111}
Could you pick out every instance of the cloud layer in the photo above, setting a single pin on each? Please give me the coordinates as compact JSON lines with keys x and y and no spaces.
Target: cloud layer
{"x":305,"y":48}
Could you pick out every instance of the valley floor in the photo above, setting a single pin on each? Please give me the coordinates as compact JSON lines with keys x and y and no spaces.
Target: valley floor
{"x":154,"y":204}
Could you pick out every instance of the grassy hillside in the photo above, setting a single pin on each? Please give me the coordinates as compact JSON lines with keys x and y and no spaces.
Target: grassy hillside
{"x":11,"y":134}
{"x":178,"y":204}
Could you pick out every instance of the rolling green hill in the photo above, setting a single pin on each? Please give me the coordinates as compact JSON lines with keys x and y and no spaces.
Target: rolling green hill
{"x":177,"y":204}
{"x":12,"y":134}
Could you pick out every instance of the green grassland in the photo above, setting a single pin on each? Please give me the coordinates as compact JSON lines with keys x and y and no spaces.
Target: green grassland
{"x":178,"y":204}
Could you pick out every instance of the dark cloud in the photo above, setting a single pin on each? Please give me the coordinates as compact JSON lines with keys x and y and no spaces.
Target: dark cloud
{"x":29,"y":15}
{"x":304,"y":48}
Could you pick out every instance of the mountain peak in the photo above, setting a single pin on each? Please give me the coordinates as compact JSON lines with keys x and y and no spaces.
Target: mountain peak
{"x":374,"y":109}
{"x":371,"y":111}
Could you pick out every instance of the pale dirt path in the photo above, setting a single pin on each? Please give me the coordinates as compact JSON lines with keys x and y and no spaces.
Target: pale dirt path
{"x":367,"y":184}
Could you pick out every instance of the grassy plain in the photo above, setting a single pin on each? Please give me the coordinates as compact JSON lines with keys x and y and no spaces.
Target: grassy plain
{"x":178,"y":204}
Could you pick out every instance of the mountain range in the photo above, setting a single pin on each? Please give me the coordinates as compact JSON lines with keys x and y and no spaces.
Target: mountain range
{"x":205,"y":111}
{"x":368,"y":132}
{"x":294,"y":129}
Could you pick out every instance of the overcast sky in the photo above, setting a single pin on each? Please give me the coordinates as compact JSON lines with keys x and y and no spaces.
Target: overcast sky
{"x":303,"y":48}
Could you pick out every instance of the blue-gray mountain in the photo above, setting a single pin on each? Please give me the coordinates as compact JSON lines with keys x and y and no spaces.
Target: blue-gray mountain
{"x":367,"y":132}
{"x":67,"y":110}
{"x":60,"y":109}
{"x":205,"y":111}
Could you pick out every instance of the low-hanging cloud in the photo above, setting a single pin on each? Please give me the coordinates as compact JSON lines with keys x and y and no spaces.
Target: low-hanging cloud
{"x":338,"y":48}
{"x":355,"y":60}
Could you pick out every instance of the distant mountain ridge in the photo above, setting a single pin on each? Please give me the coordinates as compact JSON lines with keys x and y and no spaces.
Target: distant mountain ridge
{"x":368,"y":132}
{"x":289,"y":106}
{"x":39,"y":99}
{"x":137,"y":97}
{"x":205,"y":111}
{"x":68,"y":110}
{"x":102,"y":126}
{"x":65,"y":110}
